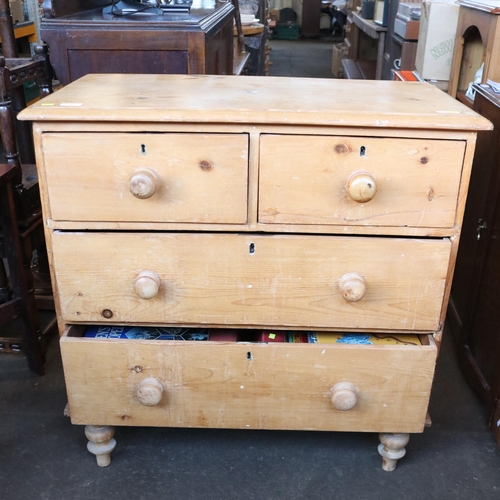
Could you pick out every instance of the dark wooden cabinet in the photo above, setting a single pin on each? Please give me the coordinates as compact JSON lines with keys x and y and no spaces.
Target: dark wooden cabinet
{"x":87,"y":41}
{"x":311,"y":18}
{"x":399,"y":54}
{"x":474,"y":311}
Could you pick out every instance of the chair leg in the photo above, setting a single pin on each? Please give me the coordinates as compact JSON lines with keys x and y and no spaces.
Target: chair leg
{"x":4,"y":284}
{"x":22,"y":281}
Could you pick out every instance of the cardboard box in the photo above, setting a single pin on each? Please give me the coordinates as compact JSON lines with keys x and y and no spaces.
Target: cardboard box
{"x":440,"y":84}
{"x":406,"y":29}
{"x":16,"y":11}
{"x":274,"y":15}
{"x":438,"y":27}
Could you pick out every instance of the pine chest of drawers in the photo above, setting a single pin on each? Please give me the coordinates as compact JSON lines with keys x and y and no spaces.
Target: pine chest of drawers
{"x":290,"y":204}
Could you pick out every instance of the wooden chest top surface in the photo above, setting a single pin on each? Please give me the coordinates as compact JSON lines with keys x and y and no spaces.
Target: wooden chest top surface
{"x":231,"y":99}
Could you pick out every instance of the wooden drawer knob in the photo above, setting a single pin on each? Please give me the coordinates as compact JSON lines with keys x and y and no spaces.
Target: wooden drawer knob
{"x":353,"y":287}
{"x":147,"y":284}
{"x":144,"y":183}
{"x":361,"y":187}
{"x":150,"y":391}
{"x":344,"y":396}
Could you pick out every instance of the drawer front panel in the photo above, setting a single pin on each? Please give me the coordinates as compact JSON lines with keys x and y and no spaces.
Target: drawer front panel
{"x":194,"y":177}
{"x":248,"y":386}
{"x":319,"y":180}
{"x":251,"y":280}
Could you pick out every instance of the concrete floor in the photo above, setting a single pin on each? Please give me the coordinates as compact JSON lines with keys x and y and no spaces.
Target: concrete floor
{"x":302,"y":58}
{"x":43,"y":456}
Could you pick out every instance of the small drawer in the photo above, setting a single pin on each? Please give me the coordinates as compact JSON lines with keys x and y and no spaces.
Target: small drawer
{"x":147,"y":177}
{"x":248,"y":386}
{"x":308,"y":282}
{"x":359,"y":181}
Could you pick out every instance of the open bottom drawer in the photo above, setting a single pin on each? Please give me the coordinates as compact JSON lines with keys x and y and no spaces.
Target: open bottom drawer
{"x":248,"y":385}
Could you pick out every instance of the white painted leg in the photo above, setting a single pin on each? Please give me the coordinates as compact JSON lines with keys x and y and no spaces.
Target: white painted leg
{"x":101,"y":443}
{"x":392,"y":448}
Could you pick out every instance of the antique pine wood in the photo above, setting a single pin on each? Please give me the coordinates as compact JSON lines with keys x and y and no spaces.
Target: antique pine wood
{"x":226,"y":99}
{"x":195,"y":172}
{"x":416,"y":184}
{"x":239,"y":202}
{"x":217,"y":385}
{"x":405,"y":280}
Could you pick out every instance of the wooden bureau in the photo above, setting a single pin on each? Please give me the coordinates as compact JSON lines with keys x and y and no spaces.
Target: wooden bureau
{"x":82,"y":39}
{"x":216,"y":201}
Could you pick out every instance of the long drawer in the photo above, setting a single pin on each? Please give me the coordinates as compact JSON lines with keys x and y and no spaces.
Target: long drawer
{"x":254,"y":386}
{"x":304,"y":282}
{"x":147,"y":177}
{"x":359,"y":181}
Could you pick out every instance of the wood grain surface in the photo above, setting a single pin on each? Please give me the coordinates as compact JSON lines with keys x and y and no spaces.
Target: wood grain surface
{"x":303,"y":180}
{"x":251,"y":280}
{"x":202,"y":177}
{"x":248,"y":386}
{"x":231,"y":99}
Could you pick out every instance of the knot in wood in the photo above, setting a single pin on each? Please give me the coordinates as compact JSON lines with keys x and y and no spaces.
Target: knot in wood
{"x":107,"y":313}
{"x":341,"y":149}
{"x":206,"y":165}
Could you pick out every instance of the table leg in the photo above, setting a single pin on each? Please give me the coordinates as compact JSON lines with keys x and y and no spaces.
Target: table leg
{"x":101,"y":443}
{"x":380,"y":55}
{"x":392,"y":448}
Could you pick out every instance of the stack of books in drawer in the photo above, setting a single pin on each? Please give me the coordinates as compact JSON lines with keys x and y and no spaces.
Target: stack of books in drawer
{"x":242,"y":335}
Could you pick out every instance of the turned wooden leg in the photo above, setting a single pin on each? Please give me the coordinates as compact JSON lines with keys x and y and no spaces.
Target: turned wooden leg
{"x":101,"y":443}
{"x":392,"y":448}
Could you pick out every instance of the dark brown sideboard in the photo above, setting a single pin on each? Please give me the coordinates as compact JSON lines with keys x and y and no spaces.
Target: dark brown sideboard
{"x":474,"y":308}
{"x":82,"y":40}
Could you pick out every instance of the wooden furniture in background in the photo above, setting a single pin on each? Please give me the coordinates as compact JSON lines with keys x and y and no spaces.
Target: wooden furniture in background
{"x":86,"y":41}
{"x":399,"y":53}
{"x":311,"y":18}
{"x":350,"y":38}
{"x":474,"y":312}
{"x":24,"y":34}
{"x":22,"y":303}
{"x":367,"y":42}
{"x":477,"y":42}
{"x":20,"y":210}
{"x":407,"y":52}
{"x":242,"y":57}
{"x":392,"y":47}
{"x":358,"y":70}
{"x":256,"y":38}
{"x":209,"y":212}
{"x":238,"y":28}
